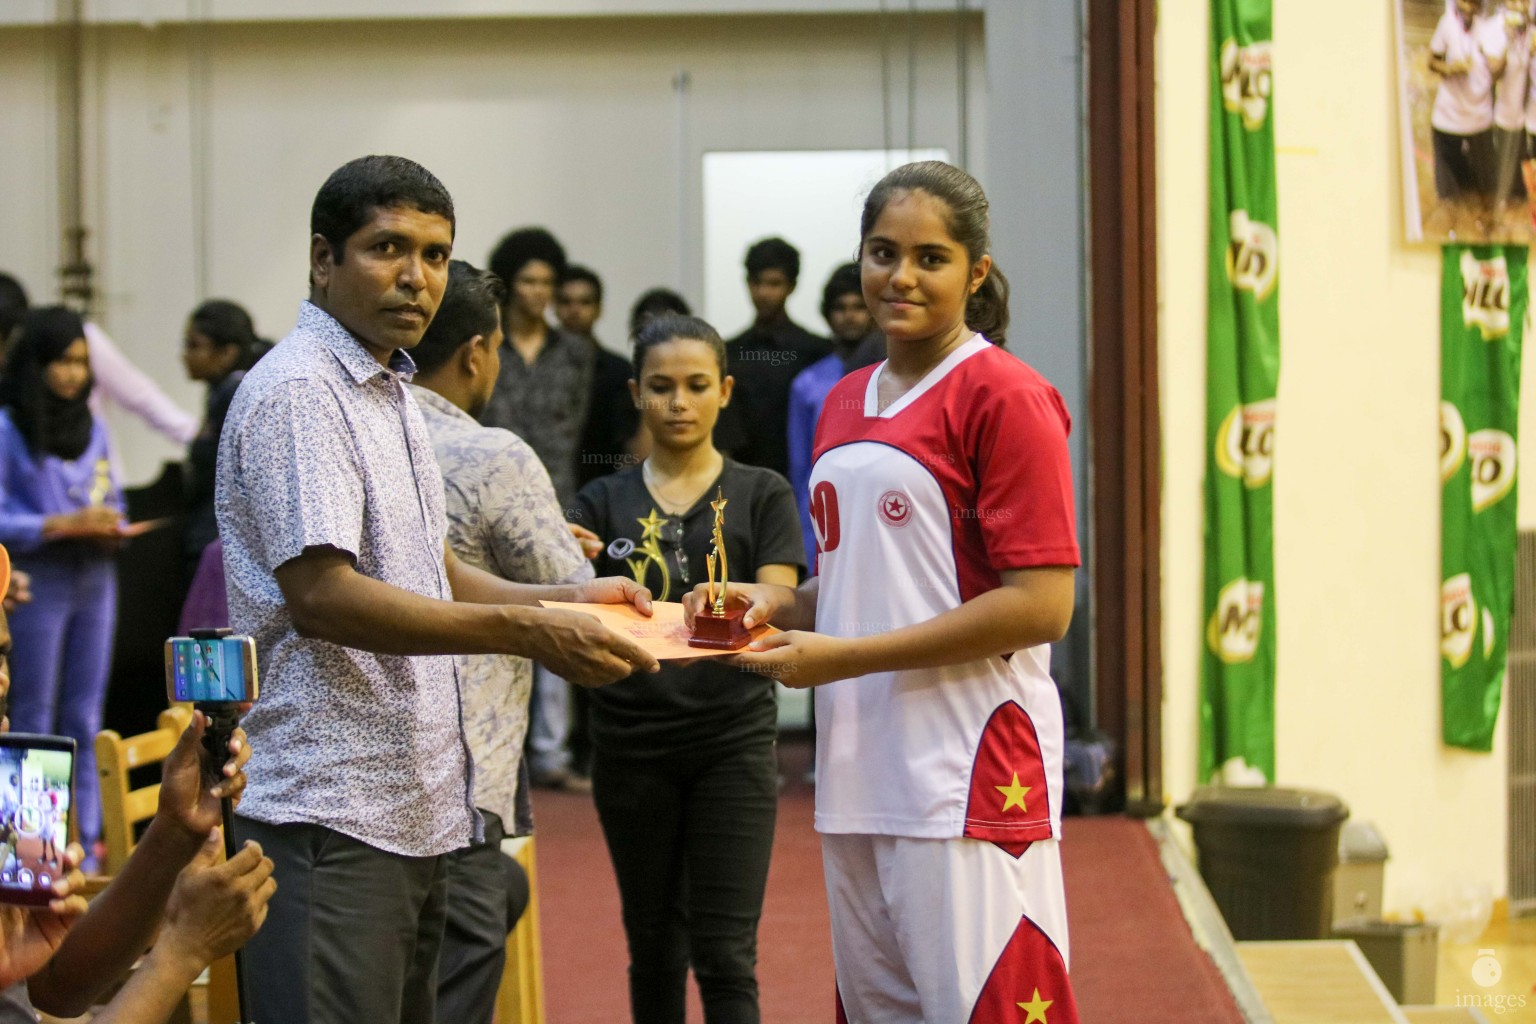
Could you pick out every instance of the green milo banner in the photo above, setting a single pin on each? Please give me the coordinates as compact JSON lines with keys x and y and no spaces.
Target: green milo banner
{"x":1237,"y":674}
{"x":1483,"y":300}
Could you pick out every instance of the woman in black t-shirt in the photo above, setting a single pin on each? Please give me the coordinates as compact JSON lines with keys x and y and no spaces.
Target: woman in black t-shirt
{"x":683,"y":771}
{"x":219,"y":345}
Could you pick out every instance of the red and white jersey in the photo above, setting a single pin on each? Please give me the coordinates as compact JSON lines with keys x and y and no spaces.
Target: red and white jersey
{"x":917,"y":510}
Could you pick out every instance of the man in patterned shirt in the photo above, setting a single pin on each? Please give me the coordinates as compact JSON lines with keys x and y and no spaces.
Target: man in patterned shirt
{"x":333,"y":517}
{"x":503,"y":517}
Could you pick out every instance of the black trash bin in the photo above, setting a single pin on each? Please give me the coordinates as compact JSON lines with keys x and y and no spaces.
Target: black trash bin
{"x":1268,"y":857}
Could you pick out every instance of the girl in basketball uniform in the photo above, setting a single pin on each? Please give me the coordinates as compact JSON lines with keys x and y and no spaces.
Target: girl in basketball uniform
{"x":941,"y":500}
{"x":684,"y":775}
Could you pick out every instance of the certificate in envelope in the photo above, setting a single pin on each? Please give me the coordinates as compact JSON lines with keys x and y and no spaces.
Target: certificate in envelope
{"x":664,"y":634}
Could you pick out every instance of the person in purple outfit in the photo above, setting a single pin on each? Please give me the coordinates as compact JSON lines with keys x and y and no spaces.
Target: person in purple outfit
{"x":61,"y":515}
{"x":842,"y":305}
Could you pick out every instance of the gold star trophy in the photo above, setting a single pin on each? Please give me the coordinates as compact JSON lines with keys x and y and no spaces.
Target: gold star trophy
{"x":716,"y":626}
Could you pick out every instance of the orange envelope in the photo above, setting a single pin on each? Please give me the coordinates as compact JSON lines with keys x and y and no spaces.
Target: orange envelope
{"x":664,"y":634}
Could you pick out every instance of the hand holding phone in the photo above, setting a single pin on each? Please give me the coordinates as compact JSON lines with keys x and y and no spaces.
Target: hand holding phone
{"x":37,"y":786}
{"x":190,"y":794}
{"x":30,"y":935}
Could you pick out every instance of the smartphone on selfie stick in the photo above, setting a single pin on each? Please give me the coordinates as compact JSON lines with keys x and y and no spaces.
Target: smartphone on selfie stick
{"x":216,"y":671}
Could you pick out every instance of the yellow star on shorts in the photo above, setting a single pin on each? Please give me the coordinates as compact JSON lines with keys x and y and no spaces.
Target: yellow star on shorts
{"x":1015,"y":795}
{"x":1036,"y":1008}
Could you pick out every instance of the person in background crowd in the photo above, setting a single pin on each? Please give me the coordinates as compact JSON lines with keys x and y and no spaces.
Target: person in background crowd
{"x":333,"y":517}
{"x":116,"y":379}
{"x":654,"y":303}
{"x":842,"y":304}
{"x":1466,"y":60}
{"x":61,"y":514}
{"x":119,"y":382}
{"x":765,"y":359}
{"x":503,"y":517}
{"x":944,"y":517}
{"x":1509,"y":31}
{"x":542,"y":395}
{"x":546,"y":374}
{"x":684,"y":775}
{"x":217,"y":348}
{"x":13,"y":307}
{"x":608,"y":442}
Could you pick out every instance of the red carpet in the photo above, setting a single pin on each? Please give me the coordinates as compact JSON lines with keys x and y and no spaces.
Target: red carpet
{"x":1133,"y":960}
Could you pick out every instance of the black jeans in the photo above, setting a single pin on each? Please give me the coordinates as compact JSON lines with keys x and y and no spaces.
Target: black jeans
{"x":690,"y":838}
{"x":352,"y":933}
{"x":487,"y":894}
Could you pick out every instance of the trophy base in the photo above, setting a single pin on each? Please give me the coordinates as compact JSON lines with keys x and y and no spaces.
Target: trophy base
{"x":720,"y":632}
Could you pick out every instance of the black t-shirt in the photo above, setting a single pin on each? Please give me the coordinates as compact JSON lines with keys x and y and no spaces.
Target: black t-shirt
{"x":688,"y":708}
{"x":611,"y":418}
{"x":202,"y":457}
{"x":754,"y":428}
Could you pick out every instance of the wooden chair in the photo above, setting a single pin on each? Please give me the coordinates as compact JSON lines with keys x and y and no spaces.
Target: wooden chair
{"x":124,"y":808}
{"x":520,"y":999}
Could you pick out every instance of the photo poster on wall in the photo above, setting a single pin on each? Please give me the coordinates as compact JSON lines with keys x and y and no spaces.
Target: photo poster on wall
{"x":1467,"y":109}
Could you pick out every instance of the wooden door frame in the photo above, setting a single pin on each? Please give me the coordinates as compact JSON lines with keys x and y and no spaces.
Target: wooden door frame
{"x":1125,"y":422}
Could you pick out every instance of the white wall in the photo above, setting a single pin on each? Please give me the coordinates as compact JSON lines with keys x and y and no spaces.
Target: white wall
{"x":570,"y":123}
{"x":815,"y":198}
{"x":147,"y":12}
{"x":1357,"y":493}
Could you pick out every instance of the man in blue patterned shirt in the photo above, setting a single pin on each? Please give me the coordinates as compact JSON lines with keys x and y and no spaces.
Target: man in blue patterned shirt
{"x":503,"y":517}
{"x":332,"y":513}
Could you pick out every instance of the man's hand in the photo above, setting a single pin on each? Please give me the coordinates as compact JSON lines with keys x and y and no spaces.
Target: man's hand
{"x":29,"y":936}
{"x":615,"y":590}
{"x":580,"y":649}
{"x":215,"y":908}
{"x":763,"y":601}
{"x":184,"y":799}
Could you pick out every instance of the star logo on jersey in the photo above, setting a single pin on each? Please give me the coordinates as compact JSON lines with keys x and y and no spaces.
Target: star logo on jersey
{"x":1035,"y":1008}
{"x":895,"y":508}
{"x":1014,"y":794}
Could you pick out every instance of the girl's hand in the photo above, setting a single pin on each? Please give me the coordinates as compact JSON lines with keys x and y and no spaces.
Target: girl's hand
{"x":762,"y":601}
{"x":799,"y":659}
{"x":591,"y":543}
{"x":99,"y":524}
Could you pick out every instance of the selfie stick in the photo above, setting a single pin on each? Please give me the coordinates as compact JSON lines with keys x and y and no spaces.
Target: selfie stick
{"x":223,"y":719}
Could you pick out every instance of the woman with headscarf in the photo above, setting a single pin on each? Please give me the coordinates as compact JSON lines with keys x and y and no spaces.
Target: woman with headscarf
{"x":61,"y":516}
